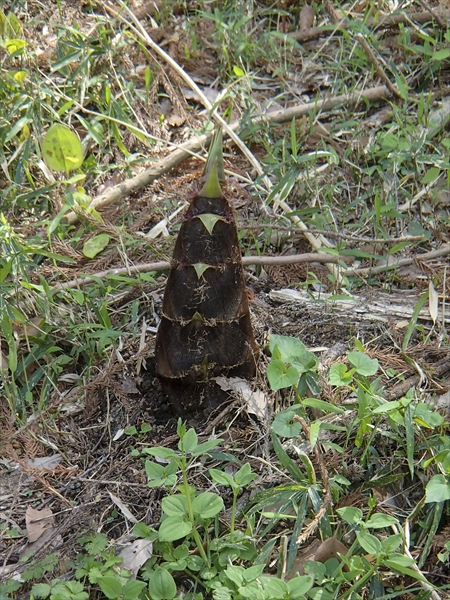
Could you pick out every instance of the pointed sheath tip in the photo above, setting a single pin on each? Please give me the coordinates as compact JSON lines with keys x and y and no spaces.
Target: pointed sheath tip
{"x":214,"y":172}
{"x":211,"y":188}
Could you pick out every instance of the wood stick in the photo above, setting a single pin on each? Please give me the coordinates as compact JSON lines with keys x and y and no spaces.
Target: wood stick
{"x":196,"y":144}
{"x":382,"y":22}
{"x":164,"y":265}
{"x":290,"y":259}
{"x":402,"y":262}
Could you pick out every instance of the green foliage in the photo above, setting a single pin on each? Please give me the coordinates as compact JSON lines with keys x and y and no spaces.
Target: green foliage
{"x":95,"y":245}
{"x":291,"y":365}
{"x":62,"y":149}
{"x":382,"y":184}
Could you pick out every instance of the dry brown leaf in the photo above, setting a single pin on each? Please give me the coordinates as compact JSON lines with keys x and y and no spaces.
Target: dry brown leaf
{"x":123,"y":508}
{"x":433,"y":301}
{"x":37,"y":522}
{"x":306,"y":17}
{"x":255,"y":400}
{"x":136,"y":554}
{"x":331,"y":548}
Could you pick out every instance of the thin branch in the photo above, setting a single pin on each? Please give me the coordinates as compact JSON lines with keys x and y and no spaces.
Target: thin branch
{"x":376,"y":64}
{"x":441,"y":16}
{"x":436,"y":16}
{"x":290,"y":259}
{"x":402,"y":262}
{"x":160,"y":168}
{"x":165,"y":265}
{"x":338,"y":235}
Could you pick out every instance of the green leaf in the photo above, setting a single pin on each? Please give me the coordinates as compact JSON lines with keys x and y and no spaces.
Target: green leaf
{"x":387,"y":407}
{"x":160,"y":452}
{"x":110,"y":586}
{"x":188,"y":442}
{"x":153,"y":470}
{"x":319,"y":593}
{"x":238,"y":71}
{"x":206,"y":447}
{"x":174,"y":505}
{"x":391,"y":543}
{"x":252,"y":573}
{"x":339,"y":376}
{"x":314,"y":433}
{"x":322,"y":405}
{"x":274,"y":587}
{"x":423,"y":299}
{"x":279,"y":376}
{"x":431,"y":175}
{"x":19,"y":125}
{"x":15,"y":45}
{"x":62,"y":149}
{"x":426,"y":417}
{"x":284,"y":425}
{"x":285,"y":459}
{"x":379,"y":521}
{"x":437,"y":489}
{"x":132,"y":589}
{"x":368,"y":542}
{"x":244,"y":476}
{"x":207,"y":505}
{"x":222,"y":478}
{"x":174,"y":528}
{"x":441,"y":54}
{"x":293,"y":351}
{"x":94,"y":133}
{"x":299,"y":585}
{"x":363,"y":364}
{"x":40,"y":590}
{"x":350,"y":514}
{"x":410,"y":439}
{"x":162,"y":585}
{"x":95,"y":245}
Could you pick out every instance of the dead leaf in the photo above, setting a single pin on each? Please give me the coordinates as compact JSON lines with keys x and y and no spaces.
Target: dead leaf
{"x":45,"y":462}
{"x":331,"y":548}
{"x":256,"y":400}
{"x":134,"y":555}
{"x":433,"y":301}
{"x":129,"y":385}
{"x":304,"y":555}
{"x":37,"y":521}
{"x":123,"y":509}
{"x":306,"y":17}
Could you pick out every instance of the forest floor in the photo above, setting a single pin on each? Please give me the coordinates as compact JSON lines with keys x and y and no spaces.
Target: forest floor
{"x":342,"y":116}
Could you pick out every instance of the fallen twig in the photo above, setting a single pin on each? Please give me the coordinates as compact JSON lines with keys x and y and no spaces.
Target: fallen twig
{"x":441,"y":15}
{"x":290,"y":259}
{"x":436,"y":16}
{"x":401,"y":262}
{"x":165,"y":265}
{"x":376,"y":65}
{"x":195,"y":144}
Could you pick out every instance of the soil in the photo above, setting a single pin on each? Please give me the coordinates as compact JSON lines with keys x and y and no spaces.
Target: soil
{"x":86,"y":421}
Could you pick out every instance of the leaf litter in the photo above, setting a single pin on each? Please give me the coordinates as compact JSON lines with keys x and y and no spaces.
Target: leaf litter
{"x":104,"y":405}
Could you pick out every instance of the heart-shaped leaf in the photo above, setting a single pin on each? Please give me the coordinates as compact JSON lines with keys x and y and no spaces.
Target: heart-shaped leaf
{"x":62,"y":149}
